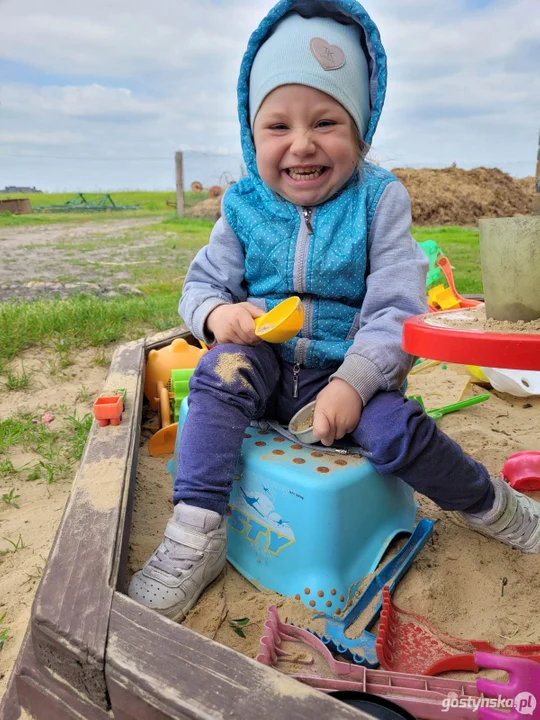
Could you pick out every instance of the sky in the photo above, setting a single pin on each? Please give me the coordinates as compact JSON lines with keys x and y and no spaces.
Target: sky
{"x":99,"y":95}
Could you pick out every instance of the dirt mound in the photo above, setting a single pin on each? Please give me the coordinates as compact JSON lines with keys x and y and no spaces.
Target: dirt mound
{"x":460,"y":197}
{"x":450,"y":196}
{"x":210,"y":208}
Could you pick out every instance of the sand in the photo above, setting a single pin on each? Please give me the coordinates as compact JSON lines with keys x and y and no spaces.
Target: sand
{"x":475,"y":319}
{"x":304,"y":424}
{"x":456,"y":582}
{"x":228,"y":369}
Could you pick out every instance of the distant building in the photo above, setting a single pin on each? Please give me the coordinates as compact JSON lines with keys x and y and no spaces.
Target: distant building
{"x":15,"y":189}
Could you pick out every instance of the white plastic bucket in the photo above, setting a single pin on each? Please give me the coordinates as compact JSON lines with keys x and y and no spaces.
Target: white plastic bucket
{"x":521,"y":383}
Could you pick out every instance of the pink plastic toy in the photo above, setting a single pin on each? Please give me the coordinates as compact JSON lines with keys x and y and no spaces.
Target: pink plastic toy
{"x":523,"y":688}
{"x":307,"y":659}
{"x":522,"y":471}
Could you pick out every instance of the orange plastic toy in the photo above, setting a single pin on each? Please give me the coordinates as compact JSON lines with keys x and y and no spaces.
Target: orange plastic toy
{"x":179,"y":355}
{"x":176,"y":356}
{"x":108,"y":409}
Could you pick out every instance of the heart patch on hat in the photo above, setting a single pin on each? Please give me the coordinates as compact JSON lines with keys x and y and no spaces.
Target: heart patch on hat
{"x":329,"y":57}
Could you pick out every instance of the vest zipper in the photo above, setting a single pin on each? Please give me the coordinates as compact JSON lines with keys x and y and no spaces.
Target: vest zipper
{"x":308,"y":212}
{"x":296,"y":373}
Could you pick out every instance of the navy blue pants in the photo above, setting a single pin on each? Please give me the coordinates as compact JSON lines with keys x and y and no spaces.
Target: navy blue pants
{"x":235,"y":384}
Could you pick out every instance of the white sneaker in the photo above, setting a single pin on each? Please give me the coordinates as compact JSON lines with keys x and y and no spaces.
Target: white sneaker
{"x":191,"y":556}
{"x":514,"y":519}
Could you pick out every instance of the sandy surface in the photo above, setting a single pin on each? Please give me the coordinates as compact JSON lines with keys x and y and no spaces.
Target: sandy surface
{"x":455,"y":583}
{"x":475,"y":319}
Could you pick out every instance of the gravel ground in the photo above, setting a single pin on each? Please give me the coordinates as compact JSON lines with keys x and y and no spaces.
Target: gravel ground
{"x":61,"y":260}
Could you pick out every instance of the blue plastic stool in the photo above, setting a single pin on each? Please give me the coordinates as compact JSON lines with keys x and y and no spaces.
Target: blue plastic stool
{"x":308,"y":523}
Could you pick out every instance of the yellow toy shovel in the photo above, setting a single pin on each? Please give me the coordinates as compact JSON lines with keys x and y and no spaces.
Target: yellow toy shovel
{"x":282,"y":322}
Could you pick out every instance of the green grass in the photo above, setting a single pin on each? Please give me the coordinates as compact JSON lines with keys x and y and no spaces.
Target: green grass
{"x":83,"y":321}
{"x":9,"y":498}
{"x":56,"y":448}
{"x":152,"y":203}
{"x":4,"y":632}
{"x":16,"y":382}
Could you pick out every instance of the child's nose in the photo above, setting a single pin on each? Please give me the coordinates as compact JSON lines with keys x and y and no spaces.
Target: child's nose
{"x":303,"y":143}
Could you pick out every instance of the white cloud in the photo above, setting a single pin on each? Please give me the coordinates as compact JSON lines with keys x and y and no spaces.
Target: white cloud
{"x":79,"y":101}
{"x":137,"y":79}
{"x":50,"y":138}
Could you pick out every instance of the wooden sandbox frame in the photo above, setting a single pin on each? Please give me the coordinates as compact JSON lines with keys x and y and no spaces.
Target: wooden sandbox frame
{"x":92,"y":652}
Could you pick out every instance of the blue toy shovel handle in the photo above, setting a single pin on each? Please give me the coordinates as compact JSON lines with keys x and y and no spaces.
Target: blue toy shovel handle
{"x":391,"y":573}
{"x":362,"y":648}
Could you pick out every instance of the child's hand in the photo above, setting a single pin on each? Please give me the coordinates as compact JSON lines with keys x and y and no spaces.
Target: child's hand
{"x":337,"y":411}
{"x":234,"y":323}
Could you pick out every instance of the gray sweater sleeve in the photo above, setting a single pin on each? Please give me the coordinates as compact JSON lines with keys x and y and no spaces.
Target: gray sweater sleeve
{"x":396,"y":290}
{"x":215,"y":277}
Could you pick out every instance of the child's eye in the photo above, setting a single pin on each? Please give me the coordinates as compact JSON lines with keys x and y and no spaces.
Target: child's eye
{"x":278,"y":126}
{"x":325,"y":123}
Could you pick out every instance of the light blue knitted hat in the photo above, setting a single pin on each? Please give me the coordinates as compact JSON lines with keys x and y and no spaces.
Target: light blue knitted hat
{"x":319,"y":52}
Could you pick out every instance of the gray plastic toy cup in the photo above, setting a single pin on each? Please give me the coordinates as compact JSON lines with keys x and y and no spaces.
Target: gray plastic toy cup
{"x":301,"y":424}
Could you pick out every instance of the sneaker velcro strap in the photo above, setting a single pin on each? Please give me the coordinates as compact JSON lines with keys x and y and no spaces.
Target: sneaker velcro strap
{"x":183,"y":536}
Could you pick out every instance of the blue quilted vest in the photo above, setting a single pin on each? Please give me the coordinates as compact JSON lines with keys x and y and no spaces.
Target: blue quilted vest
{"x":327,"y":268}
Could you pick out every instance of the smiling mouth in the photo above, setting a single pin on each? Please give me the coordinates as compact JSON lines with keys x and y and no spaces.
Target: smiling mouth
{"x":306,"y":173}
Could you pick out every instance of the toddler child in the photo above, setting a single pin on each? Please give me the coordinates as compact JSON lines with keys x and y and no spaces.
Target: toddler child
{"x":313,"y":219}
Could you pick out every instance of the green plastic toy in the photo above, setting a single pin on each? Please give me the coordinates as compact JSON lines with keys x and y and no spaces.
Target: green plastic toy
{"x":180,"y":388}
{"x":437,"y":413}
{"x":435,"y":274}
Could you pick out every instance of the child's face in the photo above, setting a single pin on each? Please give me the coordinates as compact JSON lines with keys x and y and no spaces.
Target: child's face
{"x":306,"y":144}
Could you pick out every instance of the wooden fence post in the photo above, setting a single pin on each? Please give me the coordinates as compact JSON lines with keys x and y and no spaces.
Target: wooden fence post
{"x":178,"y":157}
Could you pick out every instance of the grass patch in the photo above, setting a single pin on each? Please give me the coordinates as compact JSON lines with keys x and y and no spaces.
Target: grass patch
{"x":18,"y":382}
{"x":152,"y":203}
{"x":86,"y":320}
{"x":83,"y":320}
{"x":15,"y":544}
{"x":56,"y":448}
{"x":9,"y":498}
{"x":4,"y":632}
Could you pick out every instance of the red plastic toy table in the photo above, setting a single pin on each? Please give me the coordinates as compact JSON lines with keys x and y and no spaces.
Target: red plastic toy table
{"x":431,"y":336}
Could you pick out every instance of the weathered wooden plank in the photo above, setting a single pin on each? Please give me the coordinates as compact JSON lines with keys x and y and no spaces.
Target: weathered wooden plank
{"x":71,"y":609}
{"x":9,"y":704}
{"x":159,"y":340}
{"x":40,"y":694}
{"x":157,"y":669}
{"x":152,"y":342}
